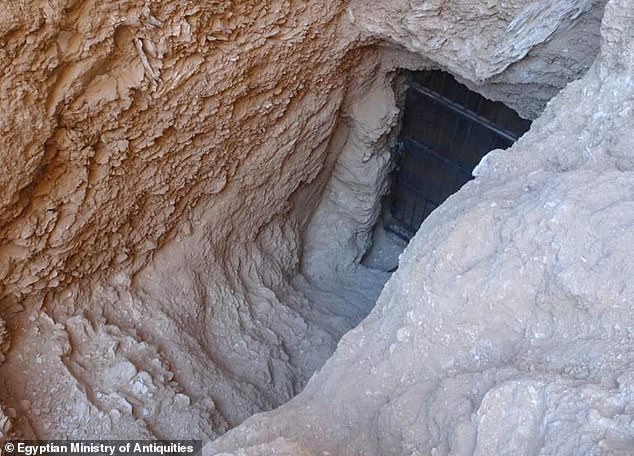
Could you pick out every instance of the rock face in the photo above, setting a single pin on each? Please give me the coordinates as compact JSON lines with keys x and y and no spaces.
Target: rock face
{"x":187,"y":191}
{"x":476,"y":42}
{"x":528,"y":84}
{"x":120,"y":118}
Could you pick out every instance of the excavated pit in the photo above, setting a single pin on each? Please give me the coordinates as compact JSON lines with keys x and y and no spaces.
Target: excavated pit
{"x":193,"y":198}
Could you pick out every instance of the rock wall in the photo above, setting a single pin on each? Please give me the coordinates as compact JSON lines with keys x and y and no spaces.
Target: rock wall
{"x":475,"y":42}
{"x":528,"y":84}
{"x":162,"y":171}
{"x":340,"y":227}
{"x":121,"y":117}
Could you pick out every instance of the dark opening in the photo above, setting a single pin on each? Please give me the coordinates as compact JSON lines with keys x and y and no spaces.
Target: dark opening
{"x":446,"y":130}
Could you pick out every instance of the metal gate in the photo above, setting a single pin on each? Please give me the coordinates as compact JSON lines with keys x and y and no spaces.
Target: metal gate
{"x":446,"y":131}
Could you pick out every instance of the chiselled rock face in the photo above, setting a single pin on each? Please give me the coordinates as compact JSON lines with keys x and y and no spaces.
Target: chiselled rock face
{"x":187,"y":190}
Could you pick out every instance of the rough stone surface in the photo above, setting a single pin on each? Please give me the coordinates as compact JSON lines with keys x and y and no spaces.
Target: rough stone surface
{"x":475,"y":41}
{"x":187,"y":191}
{"x":527,"y":85}
{"x":120,"y":117}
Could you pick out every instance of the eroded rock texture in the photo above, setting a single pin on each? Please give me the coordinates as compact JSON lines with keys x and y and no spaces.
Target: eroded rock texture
{"x":188,"y":188}
{"x":120,"y":117}
{"x":475,"y":41}
{"x":528,"y":84}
